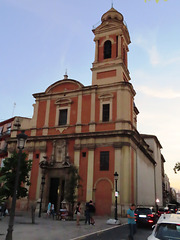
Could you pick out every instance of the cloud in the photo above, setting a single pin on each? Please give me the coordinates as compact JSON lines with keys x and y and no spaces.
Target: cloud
{"x":158,"y":93}
{"x":150,"y":46}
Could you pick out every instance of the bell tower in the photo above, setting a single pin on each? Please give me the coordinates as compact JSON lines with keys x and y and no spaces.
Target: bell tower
{"x":111,"y":48}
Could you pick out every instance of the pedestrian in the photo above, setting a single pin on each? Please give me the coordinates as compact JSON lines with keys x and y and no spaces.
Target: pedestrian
{"x":78,"y":213}
{"x":131,"y":221}
{"x":87,"y":215}
{"x":91,"y":212}
{"x":52,"y":210}
{"x":49,"y":209}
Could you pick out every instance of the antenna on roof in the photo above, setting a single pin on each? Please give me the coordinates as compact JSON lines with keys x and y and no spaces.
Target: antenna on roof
{"x":13,"y":109}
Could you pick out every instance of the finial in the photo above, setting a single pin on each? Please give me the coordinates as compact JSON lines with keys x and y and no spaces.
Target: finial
{"x":111,"y":3}
{"x":66,"y":76}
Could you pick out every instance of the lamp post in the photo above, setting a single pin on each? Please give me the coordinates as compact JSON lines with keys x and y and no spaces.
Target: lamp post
{"x":21,"y":139}
{"x":43,"y":165}
{"x":116,"y":193}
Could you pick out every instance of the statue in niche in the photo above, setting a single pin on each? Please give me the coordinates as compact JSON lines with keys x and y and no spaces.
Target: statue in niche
{"x":60,"y":151}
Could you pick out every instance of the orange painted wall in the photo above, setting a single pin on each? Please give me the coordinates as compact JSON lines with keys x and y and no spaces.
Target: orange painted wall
{"x":106,"y":74}
{"x":73,"y":117}
{"x":41,"y":114}
{"x":86,"y":109}
{"x":104,"y":174}
{"x":64,"y":87}
{"x":113,"y":46}
{"x":101,"y":48}
{"x":71,"y":150}
{"x":83,"y":174}
{"x":105,"y":127}
{"x":52,"y":114}
{"x":34,"y":177}
{"x":97,"y":109}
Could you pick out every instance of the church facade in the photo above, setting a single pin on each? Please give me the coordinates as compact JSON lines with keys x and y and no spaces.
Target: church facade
{"x":94,"y":128}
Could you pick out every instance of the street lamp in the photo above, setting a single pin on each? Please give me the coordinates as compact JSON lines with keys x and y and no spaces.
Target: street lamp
{"x":21,"y":139}
{"x":116,"y":193}
{"x":43,"y":165}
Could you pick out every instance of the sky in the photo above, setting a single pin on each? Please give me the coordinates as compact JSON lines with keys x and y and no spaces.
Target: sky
{"x":41,"y":39}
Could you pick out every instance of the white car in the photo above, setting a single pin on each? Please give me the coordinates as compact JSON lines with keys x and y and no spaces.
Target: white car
{"x":167,"y":228}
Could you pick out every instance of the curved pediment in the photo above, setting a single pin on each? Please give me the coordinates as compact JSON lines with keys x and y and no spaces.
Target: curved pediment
{"x":63,"y":101}
{"x":106,"y":96}
{"x":64,"y":85}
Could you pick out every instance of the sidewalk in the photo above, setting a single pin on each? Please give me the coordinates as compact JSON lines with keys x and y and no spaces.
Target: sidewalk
{"x":49,"y":229}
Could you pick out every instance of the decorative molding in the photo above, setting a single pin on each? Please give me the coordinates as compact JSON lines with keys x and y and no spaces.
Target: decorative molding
{"x":103,"y":179}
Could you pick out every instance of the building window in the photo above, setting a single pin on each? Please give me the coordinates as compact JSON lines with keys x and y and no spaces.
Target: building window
{"x":63,"y":116}
{"x":107,"y":49}
{"x":104,"y":161}
{"x":1,"y":131}
{"x":83,"y":154}
{"x":105,"y":113}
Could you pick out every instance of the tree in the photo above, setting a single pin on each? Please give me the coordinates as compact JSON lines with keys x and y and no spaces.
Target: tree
{"x":177,"y":167}
{"x":72,"y":184}
{"x":8,"y":174}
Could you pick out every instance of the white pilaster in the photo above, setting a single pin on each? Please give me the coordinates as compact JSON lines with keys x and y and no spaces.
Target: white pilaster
{"x":90,"y":174}
{"x":45,"y":131}
{"x":79,"y":111}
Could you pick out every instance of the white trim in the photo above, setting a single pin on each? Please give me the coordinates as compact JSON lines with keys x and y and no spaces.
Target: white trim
{"x":101,"y":109}
{"x":58,"y":112}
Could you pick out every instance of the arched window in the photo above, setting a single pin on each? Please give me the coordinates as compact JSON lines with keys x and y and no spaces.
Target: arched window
{"x":107,"y":49}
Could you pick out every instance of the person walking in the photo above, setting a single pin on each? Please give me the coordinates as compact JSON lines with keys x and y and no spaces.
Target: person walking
{"x":52,"y":210}
{"x":49,"y":209}
{"x":91,"y":212}
{"x":78,"y":213}
{"x":131,"y":221}
{"x":87,"y":215}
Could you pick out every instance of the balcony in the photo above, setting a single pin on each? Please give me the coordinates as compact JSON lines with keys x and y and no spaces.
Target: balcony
{"x":6,"y":133}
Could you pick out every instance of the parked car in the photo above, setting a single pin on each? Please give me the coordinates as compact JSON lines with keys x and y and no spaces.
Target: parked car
{"x":167,"y":228}
{"x":145,"y":216}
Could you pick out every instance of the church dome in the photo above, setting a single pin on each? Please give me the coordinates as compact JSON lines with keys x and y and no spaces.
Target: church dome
{"x":112,"y":14}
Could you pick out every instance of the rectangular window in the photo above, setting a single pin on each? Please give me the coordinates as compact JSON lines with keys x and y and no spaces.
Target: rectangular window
{"x":63,"y":116}
{"x":104,"y":161}
{"x":83,"y":154}
{"x":105,"y":116}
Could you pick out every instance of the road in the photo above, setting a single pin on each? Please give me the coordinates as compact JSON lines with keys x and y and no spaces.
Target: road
{"x":120,"y":233}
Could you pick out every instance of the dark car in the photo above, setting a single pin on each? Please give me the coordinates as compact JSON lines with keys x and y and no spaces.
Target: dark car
{"x":145,"y":216}
{"x":162,"y":211}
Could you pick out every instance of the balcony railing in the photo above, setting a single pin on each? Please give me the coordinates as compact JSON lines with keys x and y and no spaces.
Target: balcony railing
{"x":8,"y":132}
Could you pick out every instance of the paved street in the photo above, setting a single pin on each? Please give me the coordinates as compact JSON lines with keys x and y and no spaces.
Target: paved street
{"x":49,"y":229}
{"x":120,"y":233}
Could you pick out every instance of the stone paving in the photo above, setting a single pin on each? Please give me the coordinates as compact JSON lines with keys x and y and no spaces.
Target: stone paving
{"x":49,"y":229}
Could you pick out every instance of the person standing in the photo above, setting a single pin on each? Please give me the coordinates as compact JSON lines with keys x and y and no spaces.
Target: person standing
{"x":52,"y":210}
{"x":49,"y":209}
{"x":78,"y":213}
{"x":87,"y":215}
{"x":131,"y":221}
{"x":92,"y":212}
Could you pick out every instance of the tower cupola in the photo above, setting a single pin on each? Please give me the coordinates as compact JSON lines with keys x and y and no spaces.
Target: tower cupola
{"x":112,"y":40}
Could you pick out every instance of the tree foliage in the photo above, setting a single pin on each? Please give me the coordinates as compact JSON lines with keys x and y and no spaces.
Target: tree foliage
{"x":177,"y":167}
{"x":72,"y":184}
{"x":8,"y":175}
